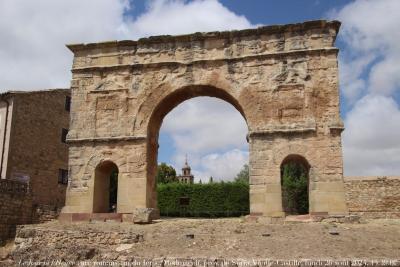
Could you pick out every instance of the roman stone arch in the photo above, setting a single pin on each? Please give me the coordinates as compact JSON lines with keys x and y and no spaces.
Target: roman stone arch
{"x":282,"y":79}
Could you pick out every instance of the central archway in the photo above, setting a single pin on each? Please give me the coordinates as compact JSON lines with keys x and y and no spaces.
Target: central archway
{"x":167,"y":104}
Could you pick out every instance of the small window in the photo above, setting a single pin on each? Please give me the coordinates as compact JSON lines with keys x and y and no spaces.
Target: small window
{"x":62,"y":176}
{"x":184,"y":201}
{"x":67,"y":103}
{"x":64,"y":133}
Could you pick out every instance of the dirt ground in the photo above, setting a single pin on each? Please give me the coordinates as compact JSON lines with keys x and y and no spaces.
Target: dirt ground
{"x":236,"y":238}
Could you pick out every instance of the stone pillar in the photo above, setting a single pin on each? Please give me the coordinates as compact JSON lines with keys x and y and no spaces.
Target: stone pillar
{"x":128,"y":156}
{"x":327,"y":191}
{"x":323,"y":154}
{"x":265,"y":187}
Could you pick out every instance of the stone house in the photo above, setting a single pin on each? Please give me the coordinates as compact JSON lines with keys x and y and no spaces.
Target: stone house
{"x":33,"y":129}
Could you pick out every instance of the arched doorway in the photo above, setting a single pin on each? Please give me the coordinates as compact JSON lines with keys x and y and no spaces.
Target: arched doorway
{"x":105,"y":187}
{"x":295,"y":185}
{"x":165,"y":107}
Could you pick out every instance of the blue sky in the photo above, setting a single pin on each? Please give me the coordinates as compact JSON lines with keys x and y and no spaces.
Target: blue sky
{"x":259,"y":12}
{"x":270,"y":11}
{"x":34,"y":34}
{"x":282,"y":12}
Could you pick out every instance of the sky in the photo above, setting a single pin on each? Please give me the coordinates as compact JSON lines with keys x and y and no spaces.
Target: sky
{"x":33,"y":56}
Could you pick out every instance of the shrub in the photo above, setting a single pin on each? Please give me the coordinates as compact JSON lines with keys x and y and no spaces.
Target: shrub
{"x":295,"y":188}
{"x":222,"y":199}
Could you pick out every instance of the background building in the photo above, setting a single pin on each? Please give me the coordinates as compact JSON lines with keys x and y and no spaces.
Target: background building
{"x":33,"y":129}
{"x":186,"y":176}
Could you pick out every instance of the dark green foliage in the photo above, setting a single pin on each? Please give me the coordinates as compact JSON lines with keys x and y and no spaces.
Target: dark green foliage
{"x":165,"y":174}
{"x":211,"y":180}
{"x":113,"y":189}
{"x":206,"y":200}
{"x":295,"y":188}
{"x":243,"y":175}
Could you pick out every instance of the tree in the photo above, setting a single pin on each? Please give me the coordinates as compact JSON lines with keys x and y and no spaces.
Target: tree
{"x":211,"y":180}
{"x":200,"y":182}
{"x":243,"y":175}
{"x":165,"y":174}
{"x":295,"y":188}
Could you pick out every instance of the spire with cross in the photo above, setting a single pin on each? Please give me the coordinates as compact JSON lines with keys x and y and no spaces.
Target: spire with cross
{"x":186,"y":176}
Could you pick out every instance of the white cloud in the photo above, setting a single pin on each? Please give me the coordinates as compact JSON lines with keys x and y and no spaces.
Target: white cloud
{"x":212,"y":133}
{"x":179,"y":17}
{"x":350,"y":71}
{"x":371,"y":33}
{"x":371,"y":141}
{"x":205,"y":124}
{"x":370,"y":78}
{"x":33,"y":35}
{"x":221,"y":166}
{"x":209,"y":130}
{"x":33,"y":56}
{"x":385,"y":75}
{"x":224,"y":166}
{"x":370,"y":24}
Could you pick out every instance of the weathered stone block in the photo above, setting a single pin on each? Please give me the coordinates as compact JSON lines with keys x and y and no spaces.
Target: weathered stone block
{"x":143,"y":215}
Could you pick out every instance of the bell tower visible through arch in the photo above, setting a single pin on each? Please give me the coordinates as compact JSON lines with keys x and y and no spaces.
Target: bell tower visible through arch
{"x":186,"y":176}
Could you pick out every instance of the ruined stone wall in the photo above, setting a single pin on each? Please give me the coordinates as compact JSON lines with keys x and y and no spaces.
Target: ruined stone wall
{"x":45,"y":213}
{"x":15,"y":207}
{"x":373,"y":197}
{"x":36,"y":150}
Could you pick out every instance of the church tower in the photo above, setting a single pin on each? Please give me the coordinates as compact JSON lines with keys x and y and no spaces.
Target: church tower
{"x":186,"y":176}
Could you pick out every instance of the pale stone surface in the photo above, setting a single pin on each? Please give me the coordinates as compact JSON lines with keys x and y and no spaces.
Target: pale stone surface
{"x":123,"y":247}
{"x":143,"y":215}
{"x":282,"y":79}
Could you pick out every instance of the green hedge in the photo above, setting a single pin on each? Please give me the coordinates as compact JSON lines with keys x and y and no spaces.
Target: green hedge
{"x":223,"y":199}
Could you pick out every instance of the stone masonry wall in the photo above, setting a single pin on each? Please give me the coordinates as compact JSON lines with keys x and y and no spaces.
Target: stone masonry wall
{"x":373,"y":197}
{"x":36,"y":149}
{"x":15,"y":207}
{"x":45,"y":213}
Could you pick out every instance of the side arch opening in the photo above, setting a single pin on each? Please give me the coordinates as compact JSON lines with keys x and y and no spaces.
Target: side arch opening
{"x":105,"y":187}
{"x":295,"y":185}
